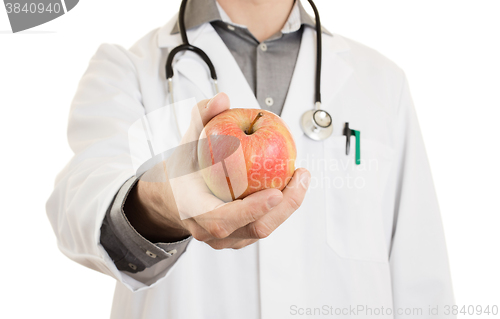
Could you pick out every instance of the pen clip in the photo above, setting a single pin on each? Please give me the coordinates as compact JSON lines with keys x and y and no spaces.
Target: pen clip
{"x":347,"y":133}
{"x":357,"y":134}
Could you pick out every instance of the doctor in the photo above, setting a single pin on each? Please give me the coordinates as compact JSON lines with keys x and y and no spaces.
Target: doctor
{"x":342,"y":240}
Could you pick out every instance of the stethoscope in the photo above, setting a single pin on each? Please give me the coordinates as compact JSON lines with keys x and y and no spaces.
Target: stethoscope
{"x":315,"y":123}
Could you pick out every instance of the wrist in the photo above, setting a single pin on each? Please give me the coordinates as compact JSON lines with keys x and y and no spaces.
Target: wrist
{"x":148,"y":214}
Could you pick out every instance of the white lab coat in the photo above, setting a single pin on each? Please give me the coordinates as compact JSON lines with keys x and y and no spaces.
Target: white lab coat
{"x":365,"y":236}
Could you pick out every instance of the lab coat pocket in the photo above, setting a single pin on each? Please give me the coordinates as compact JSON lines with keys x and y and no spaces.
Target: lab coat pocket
{"x":358,"y":218}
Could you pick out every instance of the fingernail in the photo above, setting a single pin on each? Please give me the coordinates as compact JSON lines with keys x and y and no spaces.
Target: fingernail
{"x":209,"y":102}
{"x":273,"y":201}
{"x":305,"y":179}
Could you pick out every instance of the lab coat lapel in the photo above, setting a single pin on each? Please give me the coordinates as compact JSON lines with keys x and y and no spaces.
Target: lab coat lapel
{"x":230,"y":78}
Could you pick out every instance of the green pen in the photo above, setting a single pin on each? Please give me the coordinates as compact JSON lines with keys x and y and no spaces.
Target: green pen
{"x":357,"y":134}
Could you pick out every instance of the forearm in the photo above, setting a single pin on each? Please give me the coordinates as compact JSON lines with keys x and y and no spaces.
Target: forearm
{"x":143,"y":209}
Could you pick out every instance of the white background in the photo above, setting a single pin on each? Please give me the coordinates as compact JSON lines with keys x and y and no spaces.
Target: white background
{"x":448,"y":49}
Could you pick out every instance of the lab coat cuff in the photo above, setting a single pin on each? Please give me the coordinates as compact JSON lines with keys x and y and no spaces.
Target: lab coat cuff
{"x":129,"y":250}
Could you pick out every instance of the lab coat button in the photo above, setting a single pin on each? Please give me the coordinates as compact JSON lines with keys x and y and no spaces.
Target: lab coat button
{"x":150,"y":254}
{"x":134,"y":267}
{"x":230,"y":27}
{"x":263,"y":47}
{"x":269,"y":101}
{"x":172,"y":252}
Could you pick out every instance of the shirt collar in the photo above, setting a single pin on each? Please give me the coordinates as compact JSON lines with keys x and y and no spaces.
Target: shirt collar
{"x":199,"y":12}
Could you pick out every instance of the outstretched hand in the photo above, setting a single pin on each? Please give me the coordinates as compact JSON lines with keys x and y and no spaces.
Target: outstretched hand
{"x":155,"y":212}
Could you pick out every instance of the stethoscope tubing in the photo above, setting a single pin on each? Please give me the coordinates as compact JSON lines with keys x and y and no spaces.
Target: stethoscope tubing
{"x":186,"y":46}
{"x":314,"y":130}
{"x":319,"y":46}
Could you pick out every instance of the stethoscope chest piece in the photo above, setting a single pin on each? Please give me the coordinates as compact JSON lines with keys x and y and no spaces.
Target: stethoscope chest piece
{"x":317,"y":124}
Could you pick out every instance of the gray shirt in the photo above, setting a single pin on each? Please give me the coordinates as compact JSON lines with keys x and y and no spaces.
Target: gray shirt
{"x":267,"y":66}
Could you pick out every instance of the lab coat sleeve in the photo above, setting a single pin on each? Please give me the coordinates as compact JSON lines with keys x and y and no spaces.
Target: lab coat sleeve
{"x":418,"y":259}
{"x":107,"y":102}
{"x":128,"y":249}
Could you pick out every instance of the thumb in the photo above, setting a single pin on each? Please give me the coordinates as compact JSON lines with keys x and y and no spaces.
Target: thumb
{"x":210,"y":108}
{"x":203,"y":112}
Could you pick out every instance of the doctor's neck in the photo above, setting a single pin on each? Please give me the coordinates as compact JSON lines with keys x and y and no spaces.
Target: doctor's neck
{"x":263,"y":18}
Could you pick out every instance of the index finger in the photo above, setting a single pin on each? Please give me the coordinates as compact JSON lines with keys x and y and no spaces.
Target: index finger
{"x":229,"y":217}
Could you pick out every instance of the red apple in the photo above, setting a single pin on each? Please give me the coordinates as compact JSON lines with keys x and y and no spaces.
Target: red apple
{"x":242,"y":151}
